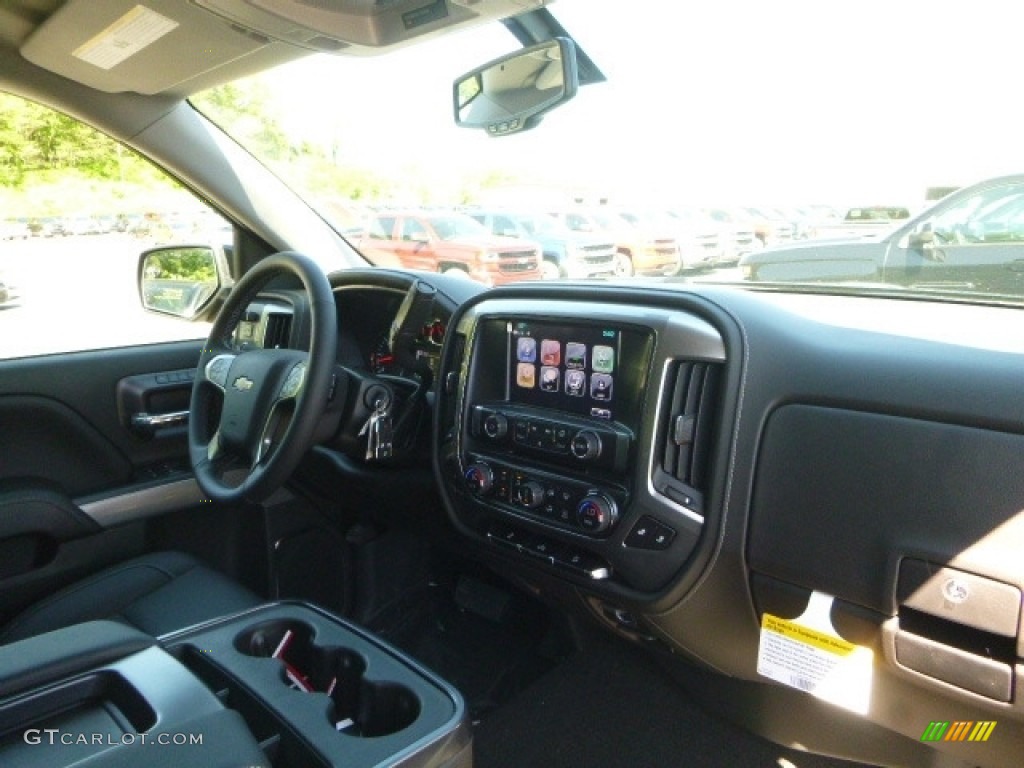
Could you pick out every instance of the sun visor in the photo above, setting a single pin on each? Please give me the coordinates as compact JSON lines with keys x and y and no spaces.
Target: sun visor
{"x":360,"y":26}
{"x":155,"y":46}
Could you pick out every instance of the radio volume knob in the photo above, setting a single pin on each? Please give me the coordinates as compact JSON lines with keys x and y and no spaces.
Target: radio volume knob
{"x":586,"y":445}
{"x":496,"y":426}
{"x":596,"y":513}
{"x":479,"y":479}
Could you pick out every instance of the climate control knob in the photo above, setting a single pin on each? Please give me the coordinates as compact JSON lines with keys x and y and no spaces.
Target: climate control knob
{"x":530,"y":494}
{"x":479,"y":479}
{"x":586,"y":445}
{"x":496,"y":426}
{"x":596,"y":513}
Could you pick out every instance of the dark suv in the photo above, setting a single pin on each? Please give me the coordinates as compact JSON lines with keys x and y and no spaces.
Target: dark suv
{"x":566,"y":253}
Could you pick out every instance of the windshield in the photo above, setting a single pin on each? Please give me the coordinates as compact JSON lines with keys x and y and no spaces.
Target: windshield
{"x":681,"y":125}
{"x":455,"y":227}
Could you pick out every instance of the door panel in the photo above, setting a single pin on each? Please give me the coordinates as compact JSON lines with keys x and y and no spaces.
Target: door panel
{"x":68,"y":446}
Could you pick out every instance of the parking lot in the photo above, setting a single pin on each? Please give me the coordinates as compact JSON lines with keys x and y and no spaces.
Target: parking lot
{"x":80,"y":293}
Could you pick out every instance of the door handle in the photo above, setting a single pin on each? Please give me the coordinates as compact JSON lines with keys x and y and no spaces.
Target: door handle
{"x":148,"y":423}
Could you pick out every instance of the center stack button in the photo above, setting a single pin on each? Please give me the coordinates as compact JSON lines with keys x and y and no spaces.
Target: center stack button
{"x":586,"y":445}
{"x":530,"y":494}
{"x":596,"y":513}
{"x":496,"y":426}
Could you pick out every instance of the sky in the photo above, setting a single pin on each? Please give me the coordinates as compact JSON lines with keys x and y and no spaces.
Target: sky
{"x":724,"y":101}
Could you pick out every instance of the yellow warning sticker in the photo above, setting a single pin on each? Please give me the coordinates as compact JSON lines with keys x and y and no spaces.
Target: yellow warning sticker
{"x":815,"y":660}
{"x":802,"y":634}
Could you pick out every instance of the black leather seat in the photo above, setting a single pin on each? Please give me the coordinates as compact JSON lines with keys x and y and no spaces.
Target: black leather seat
{"x":156,"y":593}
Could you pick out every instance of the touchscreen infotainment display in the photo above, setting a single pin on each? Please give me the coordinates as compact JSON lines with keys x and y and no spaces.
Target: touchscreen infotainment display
{"x":567,"y":367}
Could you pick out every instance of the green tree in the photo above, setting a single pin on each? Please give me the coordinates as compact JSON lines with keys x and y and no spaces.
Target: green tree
{"x":242,"y":105}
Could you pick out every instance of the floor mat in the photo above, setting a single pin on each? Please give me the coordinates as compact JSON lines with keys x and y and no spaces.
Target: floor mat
{"x":489,"y":658}
{"x":610,"y":709}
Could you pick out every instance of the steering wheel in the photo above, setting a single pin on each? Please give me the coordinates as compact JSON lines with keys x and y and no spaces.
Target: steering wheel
{"x":270,"y":399}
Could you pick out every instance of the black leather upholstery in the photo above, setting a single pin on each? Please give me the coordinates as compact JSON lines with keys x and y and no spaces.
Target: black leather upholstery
{"x":61,"y":654}
{"x":156,"y":593}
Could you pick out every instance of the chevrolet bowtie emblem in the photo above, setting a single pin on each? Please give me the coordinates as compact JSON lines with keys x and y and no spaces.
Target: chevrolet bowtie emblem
{"x":242,"y":384}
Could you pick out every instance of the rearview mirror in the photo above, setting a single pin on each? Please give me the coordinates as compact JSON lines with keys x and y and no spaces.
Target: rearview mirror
{"x":511,"y":94}
{"x":179,"y":280}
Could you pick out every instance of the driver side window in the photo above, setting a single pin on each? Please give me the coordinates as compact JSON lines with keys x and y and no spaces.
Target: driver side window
{"x":77,"y":209}
{"x":993,"y":215}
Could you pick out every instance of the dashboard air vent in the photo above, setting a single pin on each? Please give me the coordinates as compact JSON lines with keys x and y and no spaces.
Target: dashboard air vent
{"x":278,"y":330}
{"x":686,"y":432}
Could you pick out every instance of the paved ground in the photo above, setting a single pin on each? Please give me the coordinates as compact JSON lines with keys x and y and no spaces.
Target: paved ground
{"x":78,"y":293}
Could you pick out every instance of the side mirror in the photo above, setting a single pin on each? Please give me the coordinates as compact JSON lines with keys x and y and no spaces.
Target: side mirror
{"x":922,"y":238}
{"x":180,"y":280}
{"x":513,"y":93}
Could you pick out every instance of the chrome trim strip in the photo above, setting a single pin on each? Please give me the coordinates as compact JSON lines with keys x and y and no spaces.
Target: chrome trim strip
{"x":128,"y":507}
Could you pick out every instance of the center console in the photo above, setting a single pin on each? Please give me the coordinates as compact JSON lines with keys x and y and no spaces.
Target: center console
{"x":283,"y":685}
{"x":571,"y":438}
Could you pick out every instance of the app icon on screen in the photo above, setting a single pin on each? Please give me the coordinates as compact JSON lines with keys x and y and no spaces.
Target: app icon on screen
{"x":549,"y":378}
{"x":575,"y":355}
{"x":575,"y":383}
{"x":601,"y":387}
{"x":550,"y":352}
{"x":526,"y":349}
{"x":603,"y":359}
{"x":526,"y":375}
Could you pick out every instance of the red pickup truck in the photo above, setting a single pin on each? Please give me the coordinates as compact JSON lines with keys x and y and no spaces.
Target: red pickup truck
{"x":449,"y":242}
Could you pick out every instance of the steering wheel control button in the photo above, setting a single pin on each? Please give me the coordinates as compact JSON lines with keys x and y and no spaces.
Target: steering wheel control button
{"x":479,"y":479}
{"x":649,"y":533}
{"x":586,"y":445}
{"x":596,"y":513}
{"x":217,"y":370}
{"x":293,"y":384}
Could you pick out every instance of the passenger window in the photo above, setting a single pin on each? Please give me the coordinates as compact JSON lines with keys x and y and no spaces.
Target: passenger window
{"x":382,"y":227}
{"x":413,"y":231}
{"x":86,"y":207}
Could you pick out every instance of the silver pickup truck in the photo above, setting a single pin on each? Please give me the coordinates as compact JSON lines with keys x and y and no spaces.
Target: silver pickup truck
{"x":869,"y":221}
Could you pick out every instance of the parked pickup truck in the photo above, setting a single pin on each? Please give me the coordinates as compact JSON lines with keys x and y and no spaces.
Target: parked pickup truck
{"x":640,"y":250}
{"x":8,"y":293}
{"x":868,"y":221}
{"x":449,"y":242}
{"x":566,"y":253}
{"x":972,"y":240}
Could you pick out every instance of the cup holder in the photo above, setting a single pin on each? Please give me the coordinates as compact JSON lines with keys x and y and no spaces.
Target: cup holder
{"x":360,"y":707}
